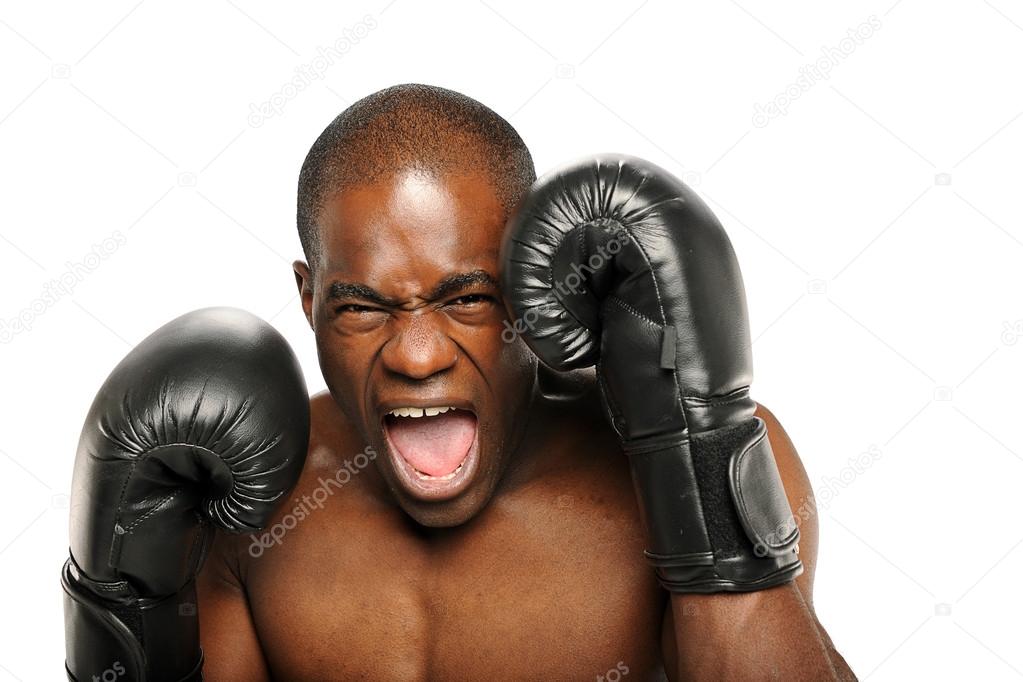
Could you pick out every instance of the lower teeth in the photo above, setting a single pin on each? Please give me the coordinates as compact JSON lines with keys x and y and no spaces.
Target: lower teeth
{"x":445,"y":477}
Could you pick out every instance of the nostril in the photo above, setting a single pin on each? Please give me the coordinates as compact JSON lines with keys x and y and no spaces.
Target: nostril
{"x":419,"y":350}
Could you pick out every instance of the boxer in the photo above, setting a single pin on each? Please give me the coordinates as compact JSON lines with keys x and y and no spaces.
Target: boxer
{"x":465,"y":509}
{"x":497,"y":533}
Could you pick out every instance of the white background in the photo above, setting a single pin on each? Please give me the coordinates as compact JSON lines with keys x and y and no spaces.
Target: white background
{"x":877,"y":222}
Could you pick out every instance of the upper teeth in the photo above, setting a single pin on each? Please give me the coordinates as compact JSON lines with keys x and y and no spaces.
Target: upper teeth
{"x":419,"y":411}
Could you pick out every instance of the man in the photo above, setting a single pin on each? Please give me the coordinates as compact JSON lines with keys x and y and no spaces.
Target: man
{"x":453,"y":509}
{"x":463,"y":512}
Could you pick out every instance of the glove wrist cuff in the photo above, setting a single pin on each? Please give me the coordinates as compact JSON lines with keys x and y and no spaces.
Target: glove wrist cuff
{"x":650,"y":444}
{"x":715,"y":510}
{"x":139,"y":639}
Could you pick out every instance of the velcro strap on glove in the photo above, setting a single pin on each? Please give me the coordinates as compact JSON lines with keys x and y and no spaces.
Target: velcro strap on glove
{"x":137,"y":641}
{"x":716,"y":510}
{"x":759,"y":497}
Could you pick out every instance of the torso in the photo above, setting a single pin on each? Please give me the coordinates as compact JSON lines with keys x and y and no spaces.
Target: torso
{"x":547,"y":582}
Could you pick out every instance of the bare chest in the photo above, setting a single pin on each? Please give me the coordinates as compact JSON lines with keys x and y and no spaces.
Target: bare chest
{"x":552,"y":587}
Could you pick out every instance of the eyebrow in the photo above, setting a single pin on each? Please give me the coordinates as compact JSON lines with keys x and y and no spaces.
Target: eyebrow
{"x":453,"y":283}
{"x":461,"y":281}
{"x":348,"y":290}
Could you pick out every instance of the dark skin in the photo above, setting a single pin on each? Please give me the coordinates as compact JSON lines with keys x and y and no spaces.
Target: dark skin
{"x":535,"y":570}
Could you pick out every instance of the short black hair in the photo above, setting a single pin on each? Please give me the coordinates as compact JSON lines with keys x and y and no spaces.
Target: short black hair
{"x":409,"y":126}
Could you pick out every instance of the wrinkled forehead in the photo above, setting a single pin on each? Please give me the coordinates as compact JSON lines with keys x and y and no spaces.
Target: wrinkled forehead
{"x":412,"y":221}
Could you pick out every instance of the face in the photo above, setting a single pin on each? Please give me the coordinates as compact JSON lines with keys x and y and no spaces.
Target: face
{"x":408,"y":320}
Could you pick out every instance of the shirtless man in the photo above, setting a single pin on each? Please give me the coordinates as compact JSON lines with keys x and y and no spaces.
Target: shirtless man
{"x":500,"y":539}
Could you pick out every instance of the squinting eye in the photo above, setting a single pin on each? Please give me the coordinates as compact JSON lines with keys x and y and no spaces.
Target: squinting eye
{"x":471,"y":299}
{"x":354,"y":308}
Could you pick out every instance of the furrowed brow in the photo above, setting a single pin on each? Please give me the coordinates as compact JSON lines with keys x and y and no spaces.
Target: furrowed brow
{"x":348,"y":290}
{"x":461,"y":281}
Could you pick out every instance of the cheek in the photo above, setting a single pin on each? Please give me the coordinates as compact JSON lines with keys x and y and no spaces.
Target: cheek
{"x":344,"y":365}
{"x":492,"y":344}
{"x":511,"y":366}
{"x":346,"y":352}
{"x":515,"y":353}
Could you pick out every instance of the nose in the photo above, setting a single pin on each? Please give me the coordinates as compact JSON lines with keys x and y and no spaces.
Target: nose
{"x":420,"y":348}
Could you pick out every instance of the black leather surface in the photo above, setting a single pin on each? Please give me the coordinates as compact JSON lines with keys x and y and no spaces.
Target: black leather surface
{"x":760,"y":498}
{"x":612,"y":261}
{"x":204,"y":425}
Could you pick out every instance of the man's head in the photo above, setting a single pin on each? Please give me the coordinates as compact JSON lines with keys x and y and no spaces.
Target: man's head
{"x":401,"y":204}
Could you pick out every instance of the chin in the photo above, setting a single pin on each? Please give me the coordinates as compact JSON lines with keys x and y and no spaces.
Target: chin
{"x":443,"y":511}
{"x":444,"y":515}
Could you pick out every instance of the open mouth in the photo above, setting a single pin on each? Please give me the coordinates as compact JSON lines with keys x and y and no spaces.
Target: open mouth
{"x":434,"y":448}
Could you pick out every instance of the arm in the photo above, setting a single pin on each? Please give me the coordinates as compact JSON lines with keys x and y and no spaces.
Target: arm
{"x":613,"y":261}
{"x":226,"y":628}
{"x":750,"y":635}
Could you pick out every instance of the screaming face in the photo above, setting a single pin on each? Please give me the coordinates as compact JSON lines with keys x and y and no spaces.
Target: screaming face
{"x":408,"y":321}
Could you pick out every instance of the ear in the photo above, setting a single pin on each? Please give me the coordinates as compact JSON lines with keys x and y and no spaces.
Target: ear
{"x":304,"y":280}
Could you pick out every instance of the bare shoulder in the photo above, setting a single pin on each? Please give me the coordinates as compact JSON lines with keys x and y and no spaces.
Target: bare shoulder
{"x":571,"y":400}
{"x":335,"y":459}
{"x":574,"y":453}
{"x":330,"y":435}
{"x":337,"y":454}
{"x":800,"y":495}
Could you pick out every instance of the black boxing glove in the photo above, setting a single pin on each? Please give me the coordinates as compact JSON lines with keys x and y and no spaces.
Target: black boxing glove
{"x":204,"y":424}
{"x":612,"y":261}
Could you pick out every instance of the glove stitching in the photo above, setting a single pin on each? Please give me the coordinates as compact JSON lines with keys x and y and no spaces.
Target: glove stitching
{"x":616,"y":414}
{"x":127,"y":479}
{"x":152,"y":511}
{"x":628,"y":308}
{"x":124,"y":488}
{"x":660,"y":304}
{"x":195,"y":560}
{"x":649,"y":268}
{"x":580,"y":235}
{"x":738,"y":395}
{"x":108,"y":587}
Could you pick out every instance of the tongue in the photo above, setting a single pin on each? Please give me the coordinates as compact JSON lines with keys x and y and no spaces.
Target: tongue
{"x":433,"y":445}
